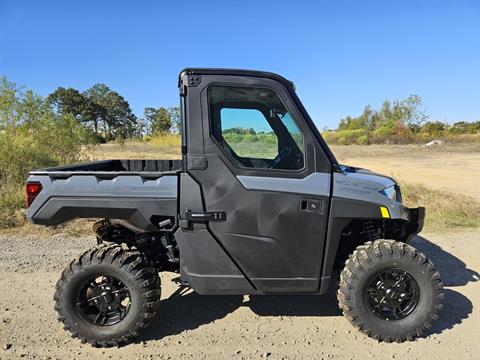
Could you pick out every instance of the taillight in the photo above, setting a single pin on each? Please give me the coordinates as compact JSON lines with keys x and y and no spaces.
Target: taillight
{"x":32,"y":189}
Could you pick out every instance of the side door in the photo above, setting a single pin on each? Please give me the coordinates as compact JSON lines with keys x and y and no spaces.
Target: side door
{"x":260,"y":167}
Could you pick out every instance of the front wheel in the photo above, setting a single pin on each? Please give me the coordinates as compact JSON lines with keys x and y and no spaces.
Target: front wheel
{"x":107,"y":296}
{"x":390,"y":291}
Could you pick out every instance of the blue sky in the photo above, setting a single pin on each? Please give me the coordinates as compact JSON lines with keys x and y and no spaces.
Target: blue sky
{"x":341,"y":55}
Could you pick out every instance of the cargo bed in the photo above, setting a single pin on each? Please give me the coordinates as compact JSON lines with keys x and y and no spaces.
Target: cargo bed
{"x":140,"y":192}
{"x":113,"y":167}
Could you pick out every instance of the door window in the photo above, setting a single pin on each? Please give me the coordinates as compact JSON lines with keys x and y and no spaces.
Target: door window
{"x":255,"y":129}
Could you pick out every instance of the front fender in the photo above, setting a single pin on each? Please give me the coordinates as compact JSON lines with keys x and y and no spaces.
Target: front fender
{"x":343,"y":211}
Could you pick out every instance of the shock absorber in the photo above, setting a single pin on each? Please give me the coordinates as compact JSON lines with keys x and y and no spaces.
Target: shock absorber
{"x":369,"y":231}
{"x":169,"y":245}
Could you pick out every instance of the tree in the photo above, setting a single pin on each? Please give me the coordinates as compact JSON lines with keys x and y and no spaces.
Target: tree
{"x":113,"y":112}
{"x":414,"y":115}
{"x":396,"y":121}
{"x":344,"y":123}
{"x":141,"y":128}
{"x":433,"y":128}
{"x":463,"y":127}
{"x":176,"y":119}
{"x":159,"y":119}
{"x":10,"y":113}
{"x":365,"y":120}
{"x":73,"y":102}
{"x":68,"y":101}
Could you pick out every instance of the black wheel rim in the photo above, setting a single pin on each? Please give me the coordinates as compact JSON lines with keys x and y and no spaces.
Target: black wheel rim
{"x":392,"y":294}
{"x":103,"y":300}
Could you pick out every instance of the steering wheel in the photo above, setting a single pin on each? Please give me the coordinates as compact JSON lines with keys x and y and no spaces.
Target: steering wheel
{"x":281,"y":155}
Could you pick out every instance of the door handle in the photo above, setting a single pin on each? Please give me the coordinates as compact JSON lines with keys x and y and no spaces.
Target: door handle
{"x":205,"y":216}
{"x":312,"y":206}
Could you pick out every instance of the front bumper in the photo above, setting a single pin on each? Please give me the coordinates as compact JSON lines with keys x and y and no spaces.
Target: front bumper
{"x":416,"y":218}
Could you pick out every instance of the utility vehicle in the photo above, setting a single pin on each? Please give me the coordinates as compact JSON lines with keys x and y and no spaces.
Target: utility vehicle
{"x":257,"y":205}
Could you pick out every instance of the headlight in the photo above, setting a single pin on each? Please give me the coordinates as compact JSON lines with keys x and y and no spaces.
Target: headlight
{"x":392,"y":192}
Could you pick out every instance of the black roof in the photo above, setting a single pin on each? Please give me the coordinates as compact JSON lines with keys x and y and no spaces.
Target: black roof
{"x":236,"y":72}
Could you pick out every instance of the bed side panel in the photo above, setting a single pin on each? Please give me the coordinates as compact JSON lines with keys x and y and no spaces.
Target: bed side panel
{"x":130,"y":197}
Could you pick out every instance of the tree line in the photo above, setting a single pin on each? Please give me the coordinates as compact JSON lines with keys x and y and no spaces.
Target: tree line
{"x":109,"y":115}
{"x":399,"y":122}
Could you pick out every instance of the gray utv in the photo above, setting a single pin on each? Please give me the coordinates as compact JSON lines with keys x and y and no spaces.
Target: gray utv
{"x":257,"y":205}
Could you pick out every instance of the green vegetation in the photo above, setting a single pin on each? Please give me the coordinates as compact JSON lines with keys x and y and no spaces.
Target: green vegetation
{"x":400,"y":122}
{"x":32,"y":135}
{"x":162,"y":120}
{"x":105,"y":111}
{"x":109,"y":116}
{"x":248,"y":143}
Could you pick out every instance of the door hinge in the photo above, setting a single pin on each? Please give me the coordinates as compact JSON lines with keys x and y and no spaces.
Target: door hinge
{"x":183,"y":90}
{"x":193,"y":80}
{"x":189,"y":81}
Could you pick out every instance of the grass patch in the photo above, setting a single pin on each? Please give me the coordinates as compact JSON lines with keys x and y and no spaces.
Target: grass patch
{"x":12,"y":204}
{"x":158,"y":147}
{"x":444,"y":209}
{"x":256,"y":149}
{"x":168,"y":140}
{"x":74,"y":228}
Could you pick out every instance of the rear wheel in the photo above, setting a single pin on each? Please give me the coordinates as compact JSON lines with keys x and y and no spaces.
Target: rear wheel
{"x":107,"y":296}
{"x":390,"y":291}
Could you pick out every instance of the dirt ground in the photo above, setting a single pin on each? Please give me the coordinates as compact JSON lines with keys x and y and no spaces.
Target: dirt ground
{"x":455,"y":168}
{"x":231,"y":327}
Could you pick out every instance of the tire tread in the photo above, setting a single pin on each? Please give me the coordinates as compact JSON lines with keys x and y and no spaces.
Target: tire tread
{"x":355,"y":267}
{"x":130,"y":260}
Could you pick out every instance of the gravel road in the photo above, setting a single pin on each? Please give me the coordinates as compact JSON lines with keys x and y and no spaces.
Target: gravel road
{"x":231,"y":327}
